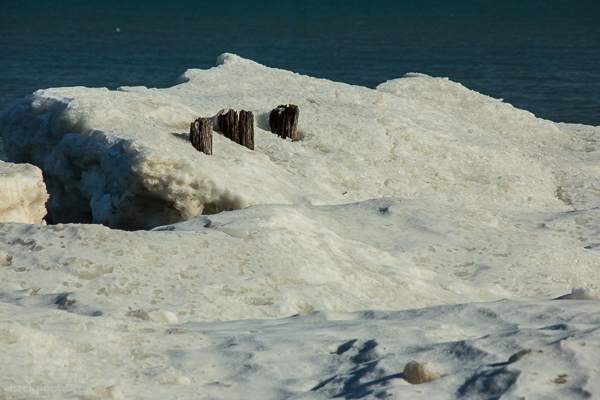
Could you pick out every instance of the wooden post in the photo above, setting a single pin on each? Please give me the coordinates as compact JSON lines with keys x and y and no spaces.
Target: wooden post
{"x":229,"y":125}
{"x":246,"y":129}
{"x":283,"y":120}
{"x":201,"y":135}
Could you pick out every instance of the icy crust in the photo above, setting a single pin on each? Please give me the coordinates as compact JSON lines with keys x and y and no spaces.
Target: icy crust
{"x":22,"y":193}
{"x":122,"y":158}
{"x":534,"y":350}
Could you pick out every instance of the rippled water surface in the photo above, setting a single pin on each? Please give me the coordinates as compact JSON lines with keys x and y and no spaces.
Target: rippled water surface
{"x":543,"y":56}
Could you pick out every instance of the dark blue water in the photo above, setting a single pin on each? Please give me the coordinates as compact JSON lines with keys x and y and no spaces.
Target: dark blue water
{"x":542,"y":56}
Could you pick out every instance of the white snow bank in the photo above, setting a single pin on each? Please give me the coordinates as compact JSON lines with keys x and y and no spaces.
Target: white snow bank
{"x":122,"y":158}
{"x":22,"y":193}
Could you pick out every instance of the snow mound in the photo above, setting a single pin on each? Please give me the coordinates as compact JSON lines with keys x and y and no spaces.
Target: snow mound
{"x":122,"y":158}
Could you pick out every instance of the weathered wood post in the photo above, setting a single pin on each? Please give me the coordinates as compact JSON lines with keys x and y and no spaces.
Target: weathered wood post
{"x":229,"y":124}
{"x":246,"y":129}
{"x":201,"y":135}
{"x":283,"y":120}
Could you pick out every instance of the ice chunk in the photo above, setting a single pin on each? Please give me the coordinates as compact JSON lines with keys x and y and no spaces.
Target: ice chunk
{"x":416,"y":372}
{"x":22,"y":193}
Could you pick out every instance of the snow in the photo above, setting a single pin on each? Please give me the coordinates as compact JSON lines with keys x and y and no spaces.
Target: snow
{"x":420,"y":221}
{"x":22,"y":193}
{"x":534,"y":349}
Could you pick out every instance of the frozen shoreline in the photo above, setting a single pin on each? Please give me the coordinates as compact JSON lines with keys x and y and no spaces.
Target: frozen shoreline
{"x":417,"y":221}
{"x":109,"y":155}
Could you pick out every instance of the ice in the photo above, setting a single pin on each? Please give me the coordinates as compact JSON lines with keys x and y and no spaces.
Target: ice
{"x":417,"y":373}
{"x":122,"y":158}
{"x":582,"y":293}
{"x":420,"y":221}
{"x":22,"y":194}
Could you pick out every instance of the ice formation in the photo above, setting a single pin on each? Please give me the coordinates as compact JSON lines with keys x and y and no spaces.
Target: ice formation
{"x":122,"y":158}
{"x":22,"y":193}
{"x":417,"y":221}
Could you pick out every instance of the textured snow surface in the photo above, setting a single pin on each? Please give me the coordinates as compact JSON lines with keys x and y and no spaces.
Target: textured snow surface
{"x":533,"y":350}
{"x":22,"y":193}
{"x":420,"y":221}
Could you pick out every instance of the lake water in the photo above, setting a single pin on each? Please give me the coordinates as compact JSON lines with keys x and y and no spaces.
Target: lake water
{"x":542,"y":56}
